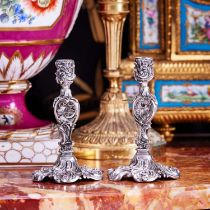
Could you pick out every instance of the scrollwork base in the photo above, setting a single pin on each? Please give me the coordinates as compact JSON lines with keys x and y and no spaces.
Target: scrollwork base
{"x":143,"y":169}
{"x":66,"y":170}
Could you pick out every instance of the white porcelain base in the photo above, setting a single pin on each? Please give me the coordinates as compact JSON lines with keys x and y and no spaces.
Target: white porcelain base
{"x":29,"y":146}
{"x":28,"y":152}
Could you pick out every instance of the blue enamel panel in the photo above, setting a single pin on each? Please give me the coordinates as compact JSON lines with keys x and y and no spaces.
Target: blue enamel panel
{"x":185,"y":93}
{"x":194,"y":26}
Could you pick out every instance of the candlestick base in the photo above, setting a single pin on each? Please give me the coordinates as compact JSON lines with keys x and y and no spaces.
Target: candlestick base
{"x":67,"y":170}
{"x":143,"y":169}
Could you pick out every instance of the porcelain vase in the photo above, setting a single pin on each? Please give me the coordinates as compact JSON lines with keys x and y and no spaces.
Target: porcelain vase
{"x":31,"y":32}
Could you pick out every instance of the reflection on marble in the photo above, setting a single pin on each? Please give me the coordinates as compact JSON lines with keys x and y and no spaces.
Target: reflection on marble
{"x":191,"y":191}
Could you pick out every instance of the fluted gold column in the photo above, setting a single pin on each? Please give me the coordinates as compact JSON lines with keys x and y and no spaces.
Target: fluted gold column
{"x":112,"y":134}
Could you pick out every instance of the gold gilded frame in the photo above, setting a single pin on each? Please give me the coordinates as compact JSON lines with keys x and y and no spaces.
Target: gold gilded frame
{"x":202,"y":2}
{"x":176,"y":53}
{"x":135,"y":30}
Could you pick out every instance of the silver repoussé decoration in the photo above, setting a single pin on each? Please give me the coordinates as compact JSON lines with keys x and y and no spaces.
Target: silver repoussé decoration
{"x":142,"y":167}
{"x":66,"y":110}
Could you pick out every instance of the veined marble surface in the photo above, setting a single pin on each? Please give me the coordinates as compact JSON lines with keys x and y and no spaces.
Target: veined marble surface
{"x":191,"y":191}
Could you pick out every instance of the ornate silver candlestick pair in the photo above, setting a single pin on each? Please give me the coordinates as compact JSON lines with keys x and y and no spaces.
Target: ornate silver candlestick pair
{"x":66,"y":109}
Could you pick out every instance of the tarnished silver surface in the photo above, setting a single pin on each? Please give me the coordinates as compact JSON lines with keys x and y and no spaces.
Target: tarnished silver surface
{"x":142,"y":167}
{"x":66,"y":110}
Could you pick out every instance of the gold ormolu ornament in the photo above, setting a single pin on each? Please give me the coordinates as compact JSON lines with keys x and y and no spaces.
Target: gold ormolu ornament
{"x":111,"y":134}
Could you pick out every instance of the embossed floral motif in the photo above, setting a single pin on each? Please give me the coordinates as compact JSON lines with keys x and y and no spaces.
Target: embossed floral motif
{"x":66,"y":110}
{"x":12,"y":11}
{"x":142,"y":167}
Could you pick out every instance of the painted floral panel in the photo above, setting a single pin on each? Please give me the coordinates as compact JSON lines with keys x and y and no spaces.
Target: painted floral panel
{"x":185,"y":93}
{"x":198,"y":25}
{"x":150,"y":21}
{"x":29,"y":13}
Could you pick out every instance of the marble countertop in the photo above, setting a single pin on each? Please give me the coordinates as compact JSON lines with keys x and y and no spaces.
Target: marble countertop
{"x":191,"y":191}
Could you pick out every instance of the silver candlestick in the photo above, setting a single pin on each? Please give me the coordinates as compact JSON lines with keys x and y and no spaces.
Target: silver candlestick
{"x":142,"y":167}
{"x":66,"y":110}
